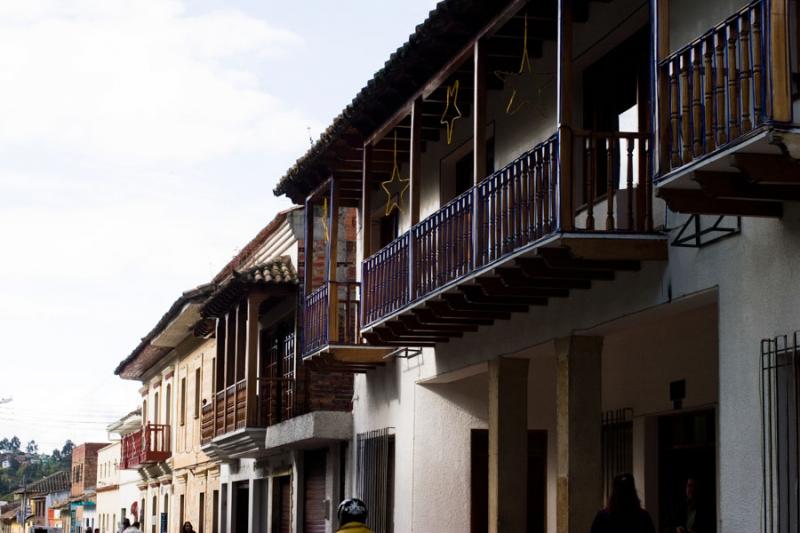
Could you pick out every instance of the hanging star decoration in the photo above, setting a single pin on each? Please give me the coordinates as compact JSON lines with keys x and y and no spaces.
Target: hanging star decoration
{"x":325,"y":219}
{"x":394,"y":194}
{"x":514,"y":79}
{"x":451,"y":111}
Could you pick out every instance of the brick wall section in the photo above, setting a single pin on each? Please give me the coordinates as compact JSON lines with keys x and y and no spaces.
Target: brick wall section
{"x":85,"y":457}
{"x":323,"y":391}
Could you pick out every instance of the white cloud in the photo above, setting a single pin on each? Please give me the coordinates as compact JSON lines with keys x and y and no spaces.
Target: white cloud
{"x":145,"y":79}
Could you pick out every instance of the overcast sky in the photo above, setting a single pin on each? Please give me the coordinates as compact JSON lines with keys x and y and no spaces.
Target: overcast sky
{"x":139,"y":145}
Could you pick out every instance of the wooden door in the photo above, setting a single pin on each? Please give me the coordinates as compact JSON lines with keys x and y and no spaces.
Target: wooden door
{"x":282,"y":505}
{"x":314,"y":466}
{"x":537,"y":481}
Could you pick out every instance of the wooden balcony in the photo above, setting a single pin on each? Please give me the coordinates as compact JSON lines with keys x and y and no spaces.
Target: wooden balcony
{"x":331,"y":333}
{"x":727,"y":143}
{"x":149,"y":445}
{"x":516,"y":239}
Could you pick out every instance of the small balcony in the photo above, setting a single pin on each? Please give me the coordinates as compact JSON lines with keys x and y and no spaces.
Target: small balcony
{"x":574,"y":209}
{"x":331,"y":335}
{"x":728,"y":145}
{"x":147,"y":446}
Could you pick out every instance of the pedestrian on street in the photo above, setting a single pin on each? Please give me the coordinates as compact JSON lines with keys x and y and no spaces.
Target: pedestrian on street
{"x":352,"y":514}
{"x":128,"y":528}
{"x":187,"y":528}
{"x":624,"y":513}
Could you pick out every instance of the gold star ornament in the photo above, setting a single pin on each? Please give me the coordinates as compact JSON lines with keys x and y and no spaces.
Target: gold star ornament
{"x":451,"y":111}
{"x":395,"y":186}
{"x":514,"y":79}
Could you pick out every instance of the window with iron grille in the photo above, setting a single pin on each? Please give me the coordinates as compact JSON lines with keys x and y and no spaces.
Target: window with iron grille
{"x":376,"y":478}
{"x":278,"y":375}
{"x":617,"y":435}
{"x":779,"y":406}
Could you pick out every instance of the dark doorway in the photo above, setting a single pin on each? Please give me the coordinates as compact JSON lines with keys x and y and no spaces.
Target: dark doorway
{"x":687,"y":449}
{"x":282,"y":505}
{"x":537,"y":481}
{"x":241,"y":506}
{"x":314,"y":466}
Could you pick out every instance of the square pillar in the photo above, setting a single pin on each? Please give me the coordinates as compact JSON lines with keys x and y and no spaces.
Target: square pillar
{"x":508,"y":444}
{"x":579,"y":492}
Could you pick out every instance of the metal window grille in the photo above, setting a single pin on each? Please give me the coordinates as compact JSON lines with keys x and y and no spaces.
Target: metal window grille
{"x":617,"y":435}
{"x":779,"y":406}
{"x":376,"y":477}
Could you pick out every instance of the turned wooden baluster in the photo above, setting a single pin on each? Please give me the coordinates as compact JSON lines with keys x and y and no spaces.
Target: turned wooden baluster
{"x":744,"y":42}
{"x":757,"y":94}
{"x":590,"y":176}
{"x":528,"y":192}
{"x":549,"y":177}
{"x":697,"y":101}
{"x":648,"y":191}
{"x":685,"y":61}
{"x":733,"y":85}
{"x":674,"y":113}
{"x":630,"y":147}
{"x":610,"y":184}
{"x":720,"y":88}
{"x":542,"y":212}
{"x":708,"y":80}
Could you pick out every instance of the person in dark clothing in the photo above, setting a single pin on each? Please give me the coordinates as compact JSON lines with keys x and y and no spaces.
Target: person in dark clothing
{"x":624,"y":513}
{"x":693,"y":516}
{"x":187,"y":528}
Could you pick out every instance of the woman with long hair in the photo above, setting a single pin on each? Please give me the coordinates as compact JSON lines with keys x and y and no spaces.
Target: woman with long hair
{"x":187,"y":528}
{"x":624,"y":513}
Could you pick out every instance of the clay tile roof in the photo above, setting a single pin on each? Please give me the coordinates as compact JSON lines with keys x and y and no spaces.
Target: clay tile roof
{"x":448,"y":28}
{"x":275,"y":272}
{"x":58,"y":482}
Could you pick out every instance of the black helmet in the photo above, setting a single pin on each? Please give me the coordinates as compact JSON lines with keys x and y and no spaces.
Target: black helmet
{"x":351,"y":510}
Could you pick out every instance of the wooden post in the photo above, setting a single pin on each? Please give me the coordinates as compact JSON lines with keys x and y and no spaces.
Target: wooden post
{"x":308,"y":253}
{"x":251,"y":368}
{"x":366,"y":202}
{"x":565,"y":129}
{"x":478,"y":146}
{"x":415,"y":161}
{"x":662,"y":52}
{"x":332,"y":261}
{"x":778,"y":61}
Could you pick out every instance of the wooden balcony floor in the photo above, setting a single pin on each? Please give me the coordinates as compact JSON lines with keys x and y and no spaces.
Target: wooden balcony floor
{"x":348,"y":357}
{"x":750,"y":177}
{"x":529,"y":277}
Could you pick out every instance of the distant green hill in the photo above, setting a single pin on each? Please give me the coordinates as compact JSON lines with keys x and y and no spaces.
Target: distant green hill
{"x":24,"y":464}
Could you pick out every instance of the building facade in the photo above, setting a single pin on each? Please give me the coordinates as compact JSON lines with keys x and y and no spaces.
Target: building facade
{"x":83,"y":495}
{"x":117,"y":489}
{"x":576,"y":239}
{"x":174,"y":363}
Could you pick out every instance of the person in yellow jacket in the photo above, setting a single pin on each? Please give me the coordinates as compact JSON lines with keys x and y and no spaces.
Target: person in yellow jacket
{"x":352,"y":514}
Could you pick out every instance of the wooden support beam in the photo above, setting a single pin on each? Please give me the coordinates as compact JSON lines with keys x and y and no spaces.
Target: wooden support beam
{"x":538,"y":268}
{"x":459,"y":302}
{"x":566,"y":220}
{"x":415,"y":324}
{"x":445,"y":311}
{"x":778,"y":58}
{"x":415,"y":162}
{"x":428,"y":318}
{"x":366,"y":204}
{"x":308,"y":249}
{"x":481,"y":295}
{"x":563,"y":258}
{"x":388,"y":336}
{"x":513,"y":280}
{"x":376,"y":340}
{"x":479,"y":112}
{"x":734,"y":186}
{"x":698,"y":203}
{"x":400,"y":329}
{"x":332,"y":262}
{"x":768,"y":168}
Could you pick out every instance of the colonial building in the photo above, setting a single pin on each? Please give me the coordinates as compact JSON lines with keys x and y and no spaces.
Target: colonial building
{"x":174,"y":362}
{"x":117,"y":488}
{"x":575,"y":257}
{"x":276,"y":424}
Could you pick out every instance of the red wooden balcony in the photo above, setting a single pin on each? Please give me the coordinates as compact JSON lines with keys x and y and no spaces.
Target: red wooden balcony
{"x":515,"y":239}
{"x":149,"y":445}
{"x":725,"y":109}
{"x":331,"y":333}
